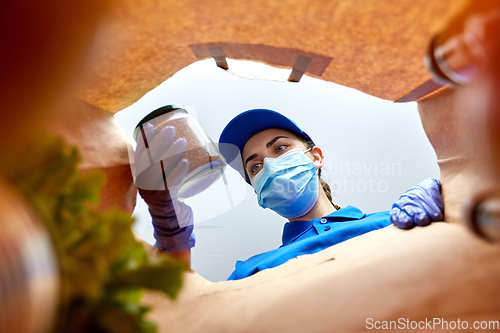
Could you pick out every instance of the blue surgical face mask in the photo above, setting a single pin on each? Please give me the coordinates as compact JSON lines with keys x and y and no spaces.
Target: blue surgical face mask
{"x":287,"y":184}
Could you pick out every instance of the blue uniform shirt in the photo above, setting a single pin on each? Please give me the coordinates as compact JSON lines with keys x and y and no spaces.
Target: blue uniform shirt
{"x":307,"y":237}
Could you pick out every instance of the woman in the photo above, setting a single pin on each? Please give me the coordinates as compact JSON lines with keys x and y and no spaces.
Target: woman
{"x":283,"y":165}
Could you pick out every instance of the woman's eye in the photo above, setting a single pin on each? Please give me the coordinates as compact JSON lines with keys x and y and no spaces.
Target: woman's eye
{"x":255,"y":168}
{"x":281,"y":148}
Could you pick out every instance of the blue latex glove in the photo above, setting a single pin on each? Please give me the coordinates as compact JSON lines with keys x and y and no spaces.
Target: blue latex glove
{"x":420,"y":205}
{"x":172,"y":220}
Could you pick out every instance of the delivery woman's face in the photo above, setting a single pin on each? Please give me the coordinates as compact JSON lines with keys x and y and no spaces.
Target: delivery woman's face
{"x":271,"y":142}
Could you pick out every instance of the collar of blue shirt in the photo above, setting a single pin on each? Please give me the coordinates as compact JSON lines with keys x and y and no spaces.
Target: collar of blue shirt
{"x":293,"y":230}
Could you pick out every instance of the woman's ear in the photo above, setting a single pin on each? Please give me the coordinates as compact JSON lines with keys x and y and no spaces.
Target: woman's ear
{"x":318,"y":158}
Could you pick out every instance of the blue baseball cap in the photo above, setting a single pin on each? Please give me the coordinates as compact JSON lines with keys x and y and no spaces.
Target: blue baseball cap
{"x":243,"y":126}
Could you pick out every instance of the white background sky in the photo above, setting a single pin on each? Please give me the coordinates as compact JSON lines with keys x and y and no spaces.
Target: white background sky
{"x":374,"y":151}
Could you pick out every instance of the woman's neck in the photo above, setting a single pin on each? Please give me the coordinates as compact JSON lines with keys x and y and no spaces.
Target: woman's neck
{"x":321,"y":208}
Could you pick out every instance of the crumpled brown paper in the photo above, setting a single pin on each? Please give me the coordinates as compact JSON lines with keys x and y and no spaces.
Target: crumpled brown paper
{"x":374,"y":46}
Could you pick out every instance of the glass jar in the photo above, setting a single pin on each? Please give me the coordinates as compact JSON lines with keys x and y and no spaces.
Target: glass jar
{"x":206,"y":164}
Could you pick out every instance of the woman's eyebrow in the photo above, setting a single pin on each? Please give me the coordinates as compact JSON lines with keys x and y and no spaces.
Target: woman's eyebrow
{"x":269,"y":144}
{"x":249,"y":159}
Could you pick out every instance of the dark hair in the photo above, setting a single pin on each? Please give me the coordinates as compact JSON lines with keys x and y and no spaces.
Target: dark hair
{"x":309,"y":144}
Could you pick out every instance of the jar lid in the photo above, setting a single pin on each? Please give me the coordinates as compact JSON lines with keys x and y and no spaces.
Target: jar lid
{"x":156,"y":113}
